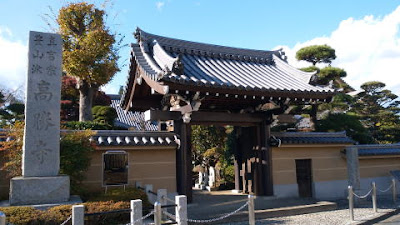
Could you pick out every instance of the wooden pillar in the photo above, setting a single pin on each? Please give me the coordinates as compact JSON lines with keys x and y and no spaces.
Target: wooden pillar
{"x":237,"y":161}
{"x":184,"y":160}
{"x":266,"y":157}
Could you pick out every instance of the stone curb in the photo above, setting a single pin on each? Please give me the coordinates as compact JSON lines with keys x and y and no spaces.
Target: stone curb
{"x":282,"y":212}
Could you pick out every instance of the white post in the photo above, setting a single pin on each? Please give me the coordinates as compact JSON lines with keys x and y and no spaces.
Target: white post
{"x":374,"y":197}
{"x":3,"y":219}
{"x":181,"y":210}
{"x":351,"y":203}
{"x":138,"y":184}
{"x":136,"y":212}
{"x":252,"y":216}
{"x":147,"y":188}
{"x":161,"y":198}
{"x":394,"y":190}
{"x":157,"y":213}
{"x":78,"y":214}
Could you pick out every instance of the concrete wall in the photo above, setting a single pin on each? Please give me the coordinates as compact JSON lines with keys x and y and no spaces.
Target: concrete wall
{"x":147,"y":165}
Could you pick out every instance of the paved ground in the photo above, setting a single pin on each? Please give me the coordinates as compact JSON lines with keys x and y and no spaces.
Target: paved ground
{"x":211,"y":205}
{"x":208,"y":205}
{"x":395,"y":219}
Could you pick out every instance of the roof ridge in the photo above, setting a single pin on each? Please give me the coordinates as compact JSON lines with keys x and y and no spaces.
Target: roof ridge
{"x":204,"y":49}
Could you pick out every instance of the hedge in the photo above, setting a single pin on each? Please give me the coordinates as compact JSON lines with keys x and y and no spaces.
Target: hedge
{"x":20,"y":215}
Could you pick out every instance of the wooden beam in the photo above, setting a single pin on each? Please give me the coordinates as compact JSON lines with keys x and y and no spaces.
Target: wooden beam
{"x":208,"y":117}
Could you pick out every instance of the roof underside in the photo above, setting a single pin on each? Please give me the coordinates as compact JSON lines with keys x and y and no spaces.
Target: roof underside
{"x":190,"y":66}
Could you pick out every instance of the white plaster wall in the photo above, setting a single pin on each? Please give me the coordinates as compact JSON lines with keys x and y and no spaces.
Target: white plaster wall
{"x":330,"y":190}
{"x":286,"y":190}
{"x":382,"y":183}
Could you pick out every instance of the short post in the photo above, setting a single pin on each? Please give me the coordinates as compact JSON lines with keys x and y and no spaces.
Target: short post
{"x":394,"y":191}
{"x":161,"y":198}
{"x":252,"y":216}
{"x":3,"y":219}
{"x":157,"y":213}
{"x":181,"y":210}
{"x":138,"y":184}
{"x":351,"y":203}
{"x":78,"y":214}
{"x":147,"y":188}
{"x":374,"y":197}
{"x":136,"y":212}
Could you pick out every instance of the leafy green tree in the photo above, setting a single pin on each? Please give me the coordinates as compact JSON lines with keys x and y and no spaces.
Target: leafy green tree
{"x":329,"y":73}
{"x":325,"y":76}
{"x":348,"y":122}
{"x":89,"y":51}
{"x":316,"y":54}
{"x":378,"y":110}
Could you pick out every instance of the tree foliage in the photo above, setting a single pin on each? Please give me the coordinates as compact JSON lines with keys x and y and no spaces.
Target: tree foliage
{"x":70,"y":99}
{"x":90,"y":51}
{"x":316,"y":54}
{"x":378,"y":109}
{"x":11,"y":108}
{"x":345,"y":122}
{"x":104,"y":114}
{"x":329,"y":73}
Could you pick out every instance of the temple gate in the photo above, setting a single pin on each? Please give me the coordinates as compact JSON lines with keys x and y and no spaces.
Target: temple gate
{"x":194,"y":83}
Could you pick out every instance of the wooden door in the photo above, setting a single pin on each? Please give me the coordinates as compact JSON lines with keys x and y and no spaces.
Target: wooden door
{"x":304,"y":177}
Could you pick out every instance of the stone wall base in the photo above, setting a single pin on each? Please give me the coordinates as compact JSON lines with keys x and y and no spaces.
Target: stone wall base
{"x":39,"y":190}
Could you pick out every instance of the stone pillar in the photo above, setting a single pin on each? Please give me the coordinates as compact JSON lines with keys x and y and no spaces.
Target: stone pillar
{"x":353,"y":171}
{"x":181,"y":210}
{"x":78,"y":215}
{"x":40,"y":182}
{"x":136,"y":212}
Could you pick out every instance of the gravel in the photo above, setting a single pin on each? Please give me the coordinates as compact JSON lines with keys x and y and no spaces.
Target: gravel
{"x":336,"y":217}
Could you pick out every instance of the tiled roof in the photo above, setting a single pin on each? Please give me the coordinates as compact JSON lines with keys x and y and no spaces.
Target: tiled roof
{"x":134,"y":138}
{"x":130,"y":119}
{"x":229,"y":68}
{"x":377,"y":150}
{"x":313,"y":138}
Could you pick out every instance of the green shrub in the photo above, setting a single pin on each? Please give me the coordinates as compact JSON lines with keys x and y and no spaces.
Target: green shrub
{"x":86,"y":125}
{"x":229,"y":174}
{"x":22,"y":215}
{"x":75,"y":148}
{"x":119,"y":194}
{"x":56,"y":215}
{"x":104,"y":114}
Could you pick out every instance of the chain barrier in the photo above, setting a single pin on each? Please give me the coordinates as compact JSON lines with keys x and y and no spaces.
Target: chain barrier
{"x":143,"y":218}
{"x":386,"y":189}
{"x":66,"y":221}
{"x":171,"y":216}
{"x":168,"y":199}
{"x":363,"y":196}
{"x":219,"y":218}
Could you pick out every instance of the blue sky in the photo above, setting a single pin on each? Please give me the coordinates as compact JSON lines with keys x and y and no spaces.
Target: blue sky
{"x":365,"y":33}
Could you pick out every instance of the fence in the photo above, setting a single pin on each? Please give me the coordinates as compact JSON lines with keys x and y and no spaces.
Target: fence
{"x":160,"y":214}
{"x":373,"y":193}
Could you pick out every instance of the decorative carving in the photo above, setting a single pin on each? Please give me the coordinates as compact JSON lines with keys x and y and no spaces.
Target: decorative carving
{"x":178,"y":67}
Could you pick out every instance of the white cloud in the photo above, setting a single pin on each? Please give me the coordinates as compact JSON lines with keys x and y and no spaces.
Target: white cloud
{"x":13,"y":58}
{"x":368,"y":49}
{"x":160,"y":5}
